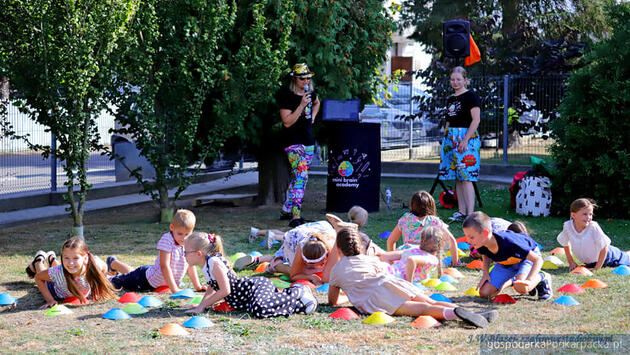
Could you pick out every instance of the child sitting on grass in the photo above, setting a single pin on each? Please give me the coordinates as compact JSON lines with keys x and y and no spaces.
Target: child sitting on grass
{"x":516,"y":256}
{"x":586,"y":239}
{"x":415,"y":264}
{"x":80,"y":274}
{"x":169,"y":266}
{"x":371,"y":289}
{"x":421,"y":214}
{"x":258,"y":296}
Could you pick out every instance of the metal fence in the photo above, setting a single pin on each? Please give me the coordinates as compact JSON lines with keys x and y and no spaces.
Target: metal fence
{"x":522,"y":112}
{"x":24,"y":170}
{"x":514,"y":119}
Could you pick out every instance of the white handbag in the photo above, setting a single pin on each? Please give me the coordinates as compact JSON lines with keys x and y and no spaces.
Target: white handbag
{"x":534,"y":197}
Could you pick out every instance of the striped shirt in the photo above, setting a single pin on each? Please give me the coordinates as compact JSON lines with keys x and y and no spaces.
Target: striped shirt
{"x":178,"y":262}
{"x":61,"y":286}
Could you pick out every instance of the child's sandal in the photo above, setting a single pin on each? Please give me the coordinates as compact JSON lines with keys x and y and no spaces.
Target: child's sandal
{"x":51,"y":257}
{"x":31,"y":271}
{"x":110,"y":260}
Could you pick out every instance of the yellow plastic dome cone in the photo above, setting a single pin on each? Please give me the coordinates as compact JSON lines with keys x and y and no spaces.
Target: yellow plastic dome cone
{"x":378,"y":318}
{"x":548,"y":265}
{"x":472,"y":292}
{"x":57,"y":310}
{"x":432,"y":282}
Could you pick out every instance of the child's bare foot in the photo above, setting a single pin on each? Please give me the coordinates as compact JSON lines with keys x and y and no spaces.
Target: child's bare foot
{"x":334,"y":220}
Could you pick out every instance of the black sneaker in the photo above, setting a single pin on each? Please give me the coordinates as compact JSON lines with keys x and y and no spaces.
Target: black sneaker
{"x":284,"y":216}
{"x":471,"y":318}
{"x":533,"y":291}
{"x":296,"y":222}
{"x":544,"y":287}
{"x":490,"y":315}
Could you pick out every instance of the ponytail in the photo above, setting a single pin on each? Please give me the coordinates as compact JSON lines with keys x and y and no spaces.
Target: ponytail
{"x":431,"y":241}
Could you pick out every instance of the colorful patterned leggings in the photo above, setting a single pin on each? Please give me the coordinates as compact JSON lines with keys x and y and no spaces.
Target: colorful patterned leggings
{"x":300,"y":157}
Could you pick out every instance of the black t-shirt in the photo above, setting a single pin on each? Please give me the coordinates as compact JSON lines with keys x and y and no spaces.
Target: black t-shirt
{"x":458,"y":109}
{"x":513,"y":248}
{"x":300,"y":132}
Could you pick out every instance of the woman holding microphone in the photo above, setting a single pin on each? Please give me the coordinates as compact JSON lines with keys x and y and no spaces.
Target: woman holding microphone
{"x":299,"y":105}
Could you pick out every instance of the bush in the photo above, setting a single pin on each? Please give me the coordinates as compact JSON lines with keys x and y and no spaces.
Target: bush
{"x":592,"y":133}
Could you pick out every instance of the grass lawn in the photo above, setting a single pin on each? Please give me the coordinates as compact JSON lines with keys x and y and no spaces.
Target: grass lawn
{"x":132,"y":235}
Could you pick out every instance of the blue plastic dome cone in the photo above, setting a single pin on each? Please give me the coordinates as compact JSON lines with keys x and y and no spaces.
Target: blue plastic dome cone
{"x":116,"y":314}
{"x":463,"y":245}
{"x":264,"y":242}
{"x":440,"y":298}
{"x":149,"y":301}
{"x":420,"y":286}
{"x":567,"y":300}
{"x":323,"y":288}
{"x":185,"y":293}
{"x":447,"y":260}
{"x":198,"y":322}
{"x":7,"y":300}
{"x":384,"y":235}
{"x":622,"y":270}
{"x":448,"y":278}
{"x":255,"y":253}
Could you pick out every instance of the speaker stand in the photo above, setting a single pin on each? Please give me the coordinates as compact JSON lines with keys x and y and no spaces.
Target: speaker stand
{"x":437,"y":181}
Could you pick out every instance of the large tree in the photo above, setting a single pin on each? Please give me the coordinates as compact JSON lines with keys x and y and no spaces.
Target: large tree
{"x":57,"y":55}
{"x":344,"y":43}
{"x":591,"y":134}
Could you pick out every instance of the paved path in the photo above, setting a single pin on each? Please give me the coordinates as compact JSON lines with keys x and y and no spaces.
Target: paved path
{"x":51,"y":212}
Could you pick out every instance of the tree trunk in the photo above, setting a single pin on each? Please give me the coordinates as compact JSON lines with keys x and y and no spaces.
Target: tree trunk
{"x":510,"y":16}
{"x":167,"y":209}
{"x":273,"y":176}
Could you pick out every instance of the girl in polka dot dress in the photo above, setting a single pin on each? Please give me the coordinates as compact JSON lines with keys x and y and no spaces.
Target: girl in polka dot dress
{"x":258,"y":296}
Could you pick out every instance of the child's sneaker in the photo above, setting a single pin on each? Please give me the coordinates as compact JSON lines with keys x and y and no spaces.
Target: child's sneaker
{"x":253,"y":232}
{"x":457,"y":217}
{"x":246,"y":261}
{"x":271,"y":237}
{"x":490,"y":315}
{"x":306,"y":297}
{"x":471,"y":318}
{"x":544,"y":287}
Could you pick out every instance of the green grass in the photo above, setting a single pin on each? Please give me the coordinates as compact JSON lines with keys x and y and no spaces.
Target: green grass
{"x":131,"y":234}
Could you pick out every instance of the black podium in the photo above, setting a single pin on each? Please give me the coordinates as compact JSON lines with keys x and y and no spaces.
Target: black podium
{"x":354,"y":159}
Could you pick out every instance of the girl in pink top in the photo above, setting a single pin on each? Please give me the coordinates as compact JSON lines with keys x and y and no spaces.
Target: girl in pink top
{"x":371,"y":289}
{"x":421,"y":214}
{"x":80,"y":274}
{"x":416,"y":263}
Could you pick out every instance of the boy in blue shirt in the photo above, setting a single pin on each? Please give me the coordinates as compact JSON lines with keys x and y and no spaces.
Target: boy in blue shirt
{"x":516,"y":256}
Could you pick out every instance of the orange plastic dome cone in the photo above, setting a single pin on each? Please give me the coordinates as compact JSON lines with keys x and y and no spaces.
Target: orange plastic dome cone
{"x":453,"y":272}
{"x":475,"y":264}
{"x":344,"y":313}
{"x":595,"y":283}
{"x":261,"y":268}
{"x":425,"y":322}
{"x":173,"y":329}
{"x":582,"y":271}
{"x":462,"y":239}
{"x":558,"y":251}
{"x":379,"y":318}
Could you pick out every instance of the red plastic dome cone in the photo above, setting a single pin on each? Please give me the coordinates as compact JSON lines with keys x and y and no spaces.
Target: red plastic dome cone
{"x":162,"y":289}
{"x":571,"y":288}
{"x":129,"y":297}
{"x":503,"y":298}
{"x":344,"y":313}
{"x":305,"y":283}
{"x":222,"y":307}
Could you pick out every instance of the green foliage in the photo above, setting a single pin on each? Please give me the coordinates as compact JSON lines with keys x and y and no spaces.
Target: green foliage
{"x":344,"y":43}
{"x":56,"y":56}
{"x":169,"y":66}
{"x":591,"y":152}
